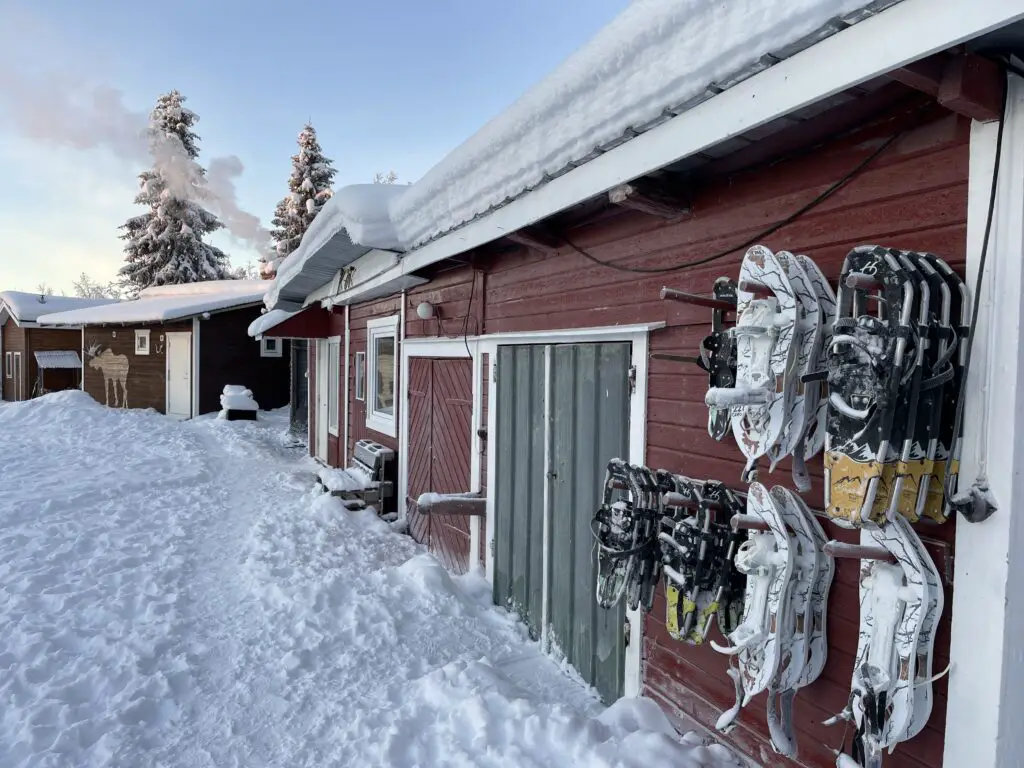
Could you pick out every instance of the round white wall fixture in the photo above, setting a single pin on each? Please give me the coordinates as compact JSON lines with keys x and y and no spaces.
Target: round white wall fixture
{"x":425,"y":310}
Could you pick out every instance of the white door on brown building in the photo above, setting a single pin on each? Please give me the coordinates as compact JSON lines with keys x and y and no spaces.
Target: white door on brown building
{"x":179,"y":375}
{"x":16,"y":374}
{"x":323,"y":406}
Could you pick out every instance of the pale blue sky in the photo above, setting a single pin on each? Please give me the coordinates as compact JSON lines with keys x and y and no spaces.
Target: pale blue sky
{"x":392,"y":84}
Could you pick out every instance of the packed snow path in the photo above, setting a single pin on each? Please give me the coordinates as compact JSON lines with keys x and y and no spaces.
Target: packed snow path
{"x":174,"y":594}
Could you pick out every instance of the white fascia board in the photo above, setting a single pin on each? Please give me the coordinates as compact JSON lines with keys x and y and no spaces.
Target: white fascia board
{"x":897,"y":36}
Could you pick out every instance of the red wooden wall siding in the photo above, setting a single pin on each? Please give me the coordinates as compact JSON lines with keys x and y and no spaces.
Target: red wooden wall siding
{"x":913,"y":196}
{"x":440,"y":418}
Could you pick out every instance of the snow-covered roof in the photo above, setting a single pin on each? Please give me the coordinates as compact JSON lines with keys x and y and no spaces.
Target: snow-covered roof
{"x":353,"y":222}
{"x":58,"y":359}
{"x":28,"y":307}
{"x":165,"y":303}
{"x":656,"y":60}
{"x":269,"y":320}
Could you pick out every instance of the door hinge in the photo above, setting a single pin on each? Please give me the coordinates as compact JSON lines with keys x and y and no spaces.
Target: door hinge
{"x":494,"y":371}
{"x":626,"y":627}
{"x":632,"y":379}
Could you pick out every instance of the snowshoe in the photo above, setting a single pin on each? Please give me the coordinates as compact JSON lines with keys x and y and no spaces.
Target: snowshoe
{"x":938,"y":347}
{"x":903,"y":476}
{"x":817,"y":641}
{"x":942,"y":483}
{"x":893,"y":600}
{"x":767,"y":561}
{"x":806,"y":343}
{"x":641,"y":588}
{"x":679,"y":549}
{"x":865,"y":364}
{"x":815,"y":388}
{"x":922,"y":708}
{"x":807,"y":542}
{"x":718,"y":357}
{"x":766,"y":316}
{"x":618,"y":527}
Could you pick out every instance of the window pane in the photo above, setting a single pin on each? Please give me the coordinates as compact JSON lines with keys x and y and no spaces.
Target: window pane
{"x":384,"y":364}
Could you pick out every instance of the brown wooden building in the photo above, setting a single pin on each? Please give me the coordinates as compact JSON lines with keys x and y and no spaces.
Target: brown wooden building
{"x":28,"y":365}
{"x":514,"y":355}
{"x":175,"y":348}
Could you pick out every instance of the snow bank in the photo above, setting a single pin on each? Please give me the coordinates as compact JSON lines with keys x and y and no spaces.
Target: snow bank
{"x":158,"y":305}
{"x":339,"y":480}
{"x":28,"y":307}
{"x":173,"y":596}
{"x":656,"y":54}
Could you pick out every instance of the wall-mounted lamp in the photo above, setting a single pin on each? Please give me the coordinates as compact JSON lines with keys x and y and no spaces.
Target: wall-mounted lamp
{"x":425,"y":310}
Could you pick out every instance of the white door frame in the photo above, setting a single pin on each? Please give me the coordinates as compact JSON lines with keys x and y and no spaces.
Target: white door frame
{"x":167,"y":372}
{"x":441,"y":348}
{"x":18,"y":374}
{"x":638,"y":337}
{"x":322,"y":406}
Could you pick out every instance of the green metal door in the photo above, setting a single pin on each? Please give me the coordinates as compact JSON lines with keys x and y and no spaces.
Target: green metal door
{"x":585,"y":423}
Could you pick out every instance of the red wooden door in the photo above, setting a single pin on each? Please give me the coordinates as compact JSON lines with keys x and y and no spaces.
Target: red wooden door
{"x":440,"y":420}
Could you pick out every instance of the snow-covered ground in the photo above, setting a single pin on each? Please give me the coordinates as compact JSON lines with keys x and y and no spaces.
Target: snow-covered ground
{"x":174,"y":594}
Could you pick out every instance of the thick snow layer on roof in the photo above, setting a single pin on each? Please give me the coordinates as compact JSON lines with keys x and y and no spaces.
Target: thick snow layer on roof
{"x":165,"y":305}
{"x":206,"y":288}
{"x":269,"y":320}
{"x":657,"y":54}
{"x":27,"y":307}
{"x":362,"y":211}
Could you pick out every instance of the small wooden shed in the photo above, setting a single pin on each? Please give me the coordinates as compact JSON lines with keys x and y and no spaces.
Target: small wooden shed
{"x":175,"y":348}
{"x":36,"y":360}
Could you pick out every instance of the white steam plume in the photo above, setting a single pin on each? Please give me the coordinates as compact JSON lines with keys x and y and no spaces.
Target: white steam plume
{"x":64,"y":110}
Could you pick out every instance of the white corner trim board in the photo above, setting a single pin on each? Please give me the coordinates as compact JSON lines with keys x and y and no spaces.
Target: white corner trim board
{"x":986,"y":683}
{"x":898,"y":35}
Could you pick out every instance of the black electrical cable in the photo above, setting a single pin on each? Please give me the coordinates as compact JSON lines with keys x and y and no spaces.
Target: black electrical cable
{"x":835,"y":187}
{"x":972,"y":513}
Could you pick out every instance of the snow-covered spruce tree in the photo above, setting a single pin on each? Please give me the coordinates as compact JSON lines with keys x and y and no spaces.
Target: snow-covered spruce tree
{"x":309,"y":188}
{"x":165,"y":245}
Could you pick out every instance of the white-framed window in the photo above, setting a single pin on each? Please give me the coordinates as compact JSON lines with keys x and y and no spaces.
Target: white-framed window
{"x":381,"y":374}
{"x":8,"y":366}
{"x":333,"y":383}
{"x":360,"y":376}
{"x":271,"y":347}
{"x":142,"y":342}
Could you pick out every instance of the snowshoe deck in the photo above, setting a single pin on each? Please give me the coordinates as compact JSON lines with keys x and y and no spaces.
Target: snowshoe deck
{"x":815,"y":391}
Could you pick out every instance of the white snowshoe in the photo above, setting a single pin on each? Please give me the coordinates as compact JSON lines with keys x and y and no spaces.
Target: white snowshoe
{"x":767,"y":560}
{"x":765,"y":320}
{"x":894,"y":598}
{"x":807,"y":345}
{"x":812,"y":576}
{"x":815,"y":389}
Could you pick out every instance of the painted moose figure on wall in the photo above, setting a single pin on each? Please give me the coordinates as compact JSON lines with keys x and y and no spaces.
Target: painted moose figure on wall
{"x":115,"y":373}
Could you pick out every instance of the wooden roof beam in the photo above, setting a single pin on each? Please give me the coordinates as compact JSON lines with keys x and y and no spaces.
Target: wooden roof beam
{"x":537,"y":238}
{"x":651,"y":198}
{"x":967,"y":84}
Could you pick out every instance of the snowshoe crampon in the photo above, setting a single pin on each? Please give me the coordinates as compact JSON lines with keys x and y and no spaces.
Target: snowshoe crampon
{"x":767,"y":561}
{"x":866,"y":363}
{"x":617,"y":530}
{"x":766,"y":315}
